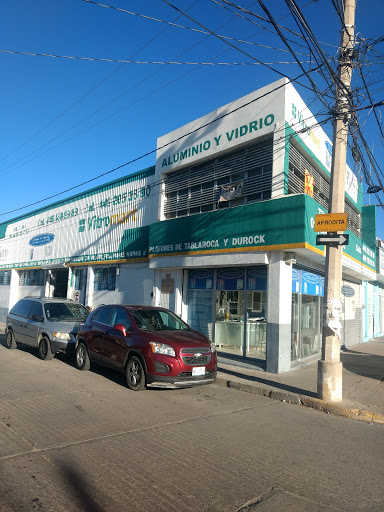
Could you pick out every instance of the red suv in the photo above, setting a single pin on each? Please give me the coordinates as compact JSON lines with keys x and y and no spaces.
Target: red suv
{"x":152,"y":346}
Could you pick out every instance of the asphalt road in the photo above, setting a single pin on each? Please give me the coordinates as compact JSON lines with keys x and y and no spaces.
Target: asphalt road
{"x":81,"y":441}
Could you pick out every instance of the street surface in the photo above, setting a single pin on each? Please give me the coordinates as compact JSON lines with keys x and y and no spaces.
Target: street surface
{"x":81,"y":441}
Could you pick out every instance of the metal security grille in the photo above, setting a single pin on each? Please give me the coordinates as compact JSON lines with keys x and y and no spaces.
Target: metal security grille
{"x":105,"y":279}
{"x":5,"y":277}
{"x":351,"y":331}
{"x":196,"y":189}
{"x":31,"y":277}
{"x":297,"y":167}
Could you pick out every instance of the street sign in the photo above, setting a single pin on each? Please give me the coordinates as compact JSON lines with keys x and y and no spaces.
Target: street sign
{"x":331,"y":222}
{"x":332,"y":239}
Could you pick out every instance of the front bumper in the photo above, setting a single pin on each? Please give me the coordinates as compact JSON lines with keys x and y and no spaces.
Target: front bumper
{"x":66,"y":347}
{"x":183,"y":380}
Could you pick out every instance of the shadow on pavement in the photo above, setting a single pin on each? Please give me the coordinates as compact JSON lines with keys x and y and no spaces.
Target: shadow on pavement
{"x":78,"y":485}
{"x":271,"y":383}
{"x":361,"y":363}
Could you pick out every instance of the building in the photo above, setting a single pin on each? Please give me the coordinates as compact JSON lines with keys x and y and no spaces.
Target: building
{"x":220,"y":231}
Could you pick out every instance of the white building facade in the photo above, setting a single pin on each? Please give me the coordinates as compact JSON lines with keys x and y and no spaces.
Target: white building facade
{"x":220,"y":231}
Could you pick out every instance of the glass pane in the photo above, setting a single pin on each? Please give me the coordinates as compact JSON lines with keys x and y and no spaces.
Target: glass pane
{"x":310,"y":325}
{"x":200,"y":311}
{"x":295,"y":332}
{"x":229,"y":325}
{"x":256,"y":328}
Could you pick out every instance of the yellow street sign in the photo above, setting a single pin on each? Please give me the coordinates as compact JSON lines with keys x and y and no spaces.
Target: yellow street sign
{"x":331,"y":222}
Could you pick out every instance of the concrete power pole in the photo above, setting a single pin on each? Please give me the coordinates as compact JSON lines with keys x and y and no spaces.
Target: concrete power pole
{"x":329,"y":379}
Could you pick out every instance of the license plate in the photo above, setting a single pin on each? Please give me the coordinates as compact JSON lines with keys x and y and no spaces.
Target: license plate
{"x":198,"y":370}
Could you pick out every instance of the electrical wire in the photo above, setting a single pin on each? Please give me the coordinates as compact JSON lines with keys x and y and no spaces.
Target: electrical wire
{"x":148,"y":153}
{"x":233,"y":46}
{"x":284,"y":137}
{"x":93,"y":88}
{"x":185,"y":27}
{"x":149,"y":62}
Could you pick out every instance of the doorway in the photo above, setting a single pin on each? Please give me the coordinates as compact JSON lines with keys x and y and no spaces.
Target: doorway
{"x":59,"y":282}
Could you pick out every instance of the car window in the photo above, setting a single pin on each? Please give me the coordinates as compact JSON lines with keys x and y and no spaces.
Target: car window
{"x":21,"y":308}
{"x":120,"y":316}
{"x":65,"y":311}
{"x":157,"y":320}
{"x":102,"y":315}
{"x":36,"y":309}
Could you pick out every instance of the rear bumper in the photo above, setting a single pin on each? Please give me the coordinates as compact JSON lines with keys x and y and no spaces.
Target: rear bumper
{"x":180,"y":381}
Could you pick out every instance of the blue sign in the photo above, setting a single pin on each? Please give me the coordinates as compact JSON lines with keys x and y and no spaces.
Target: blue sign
{"x":295,"y":281}
{"x":347,"y":291}
{"x":41,"y":239}
{"x":311,"y":284}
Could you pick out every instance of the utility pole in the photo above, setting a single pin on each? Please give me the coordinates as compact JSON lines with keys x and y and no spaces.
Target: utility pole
{"x":329,"y":378}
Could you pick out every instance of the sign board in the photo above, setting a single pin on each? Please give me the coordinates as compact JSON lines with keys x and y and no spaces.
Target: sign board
{"x":331,"y":222}
{"x":77,"y":297}
{"x":332,"y":239}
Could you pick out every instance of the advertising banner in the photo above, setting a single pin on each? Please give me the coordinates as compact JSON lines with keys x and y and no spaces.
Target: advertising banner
{"x":107,"y":223}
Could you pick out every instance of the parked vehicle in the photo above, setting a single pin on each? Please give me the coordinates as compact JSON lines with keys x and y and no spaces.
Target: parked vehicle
{"x":49,"y":324}
{"x":152,"y":346}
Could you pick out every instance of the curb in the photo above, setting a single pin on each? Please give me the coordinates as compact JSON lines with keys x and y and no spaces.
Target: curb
{"x":305,"y":401}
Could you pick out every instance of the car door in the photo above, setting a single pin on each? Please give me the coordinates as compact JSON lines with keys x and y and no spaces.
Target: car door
{"x":97,"y":333}
{"x":32,"y":325}
{"x":114,"y":342}
{"x":19,"y":314}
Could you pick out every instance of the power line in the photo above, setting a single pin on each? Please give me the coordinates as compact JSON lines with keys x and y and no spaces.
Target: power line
{"x":109,"y":103}
{"x":285,"y":136}
{"x":167,"y":63}
{"x":184,"y":27}
{"x":91,"y":90}
{"x":148,"y":153}
{"x":233,"y":46}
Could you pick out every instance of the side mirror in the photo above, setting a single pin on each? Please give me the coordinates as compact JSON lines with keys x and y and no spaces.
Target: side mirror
{"x":121,"y":328}
{"x":37,"y":318}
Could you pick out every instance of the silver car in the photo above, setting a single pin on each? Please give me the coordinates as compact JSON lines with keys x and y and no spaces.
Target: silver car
{"x":49,"y":324}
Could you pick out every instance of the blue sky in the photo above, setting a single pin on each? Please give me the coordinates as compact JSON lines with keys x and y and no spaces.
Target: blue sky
{"x":65,"y":121}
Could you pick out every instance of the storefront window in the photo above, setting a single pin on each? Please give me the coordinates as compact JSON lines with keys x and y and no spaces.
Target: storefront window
{"x":307,"y":308}
{"x":295,"y":327}
{"x":240,"y":298}
{"x":200,"y":301}
{"x":229,"y":325}
{"x":256,"y":332}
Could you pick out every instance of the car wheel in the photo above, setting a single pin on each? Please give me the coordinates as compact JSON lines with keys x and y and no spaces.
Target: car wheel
{"x":10,"y":341}
{"x":82,"y":357}
{"x":45,"y":351}
{"x":135,"y":374}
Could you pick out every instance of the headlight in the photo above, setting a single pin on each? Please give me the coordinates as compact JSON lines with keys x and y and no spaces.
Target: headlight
{"x":213,"y":347}
{"x":161,"y":348}
{"x":65,"y":336}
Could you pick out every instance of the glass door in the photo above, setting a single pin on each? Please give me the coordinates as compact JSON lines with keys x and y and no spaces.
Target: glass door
{"x":229,"y":322}
{"x":229,"y":326}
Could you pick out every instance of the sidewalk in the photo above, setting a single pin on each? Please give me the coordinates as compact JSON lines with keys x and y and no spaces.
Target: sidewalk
{"x":363,"y":383}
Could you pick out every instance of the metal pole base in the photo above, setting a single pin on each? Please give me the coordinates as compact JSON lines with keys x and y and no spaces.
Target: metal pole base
{"x":329,"y":381}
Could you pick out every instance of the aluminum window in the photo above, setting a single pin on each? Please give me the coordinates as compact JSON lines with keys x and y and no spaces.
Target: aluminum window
{"x":105,"y":279}
{"x":196,"y":189}
{"x":321,"y":189}
{"x":5,"y":277}
{"x":35,"y":277}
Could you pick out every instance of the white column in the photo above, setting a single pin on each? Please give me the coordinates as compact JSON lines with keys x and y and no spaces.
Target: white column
{"x":279,"y":291}
{"x":14,"y":288}
{"x":89,"y":286}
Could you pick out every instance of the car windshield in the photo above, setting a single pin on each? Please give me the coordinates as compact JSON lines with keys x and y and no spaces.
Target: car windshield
{"x":157,"y":320}
{"x":65,"y":311}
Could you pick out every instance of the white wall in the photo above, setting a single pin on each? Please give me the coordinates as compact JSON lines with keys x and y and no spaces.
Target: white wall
{"x":134,"y":285}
